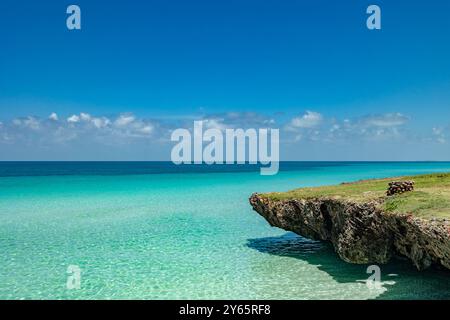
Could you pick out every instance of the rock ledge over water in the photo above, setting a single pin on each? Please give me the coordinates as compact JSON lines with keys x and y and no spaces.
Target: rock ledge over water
{"x":361,"y":231}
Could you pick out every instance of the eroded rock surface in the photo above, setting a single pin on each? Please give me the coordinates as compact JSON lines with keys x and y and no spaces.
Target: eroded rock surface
{"x":360,"y":232}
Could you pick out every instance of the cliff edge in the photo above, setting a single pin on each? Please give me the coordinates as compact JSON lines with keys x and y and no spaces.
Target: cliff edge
{"x":364,"y":224}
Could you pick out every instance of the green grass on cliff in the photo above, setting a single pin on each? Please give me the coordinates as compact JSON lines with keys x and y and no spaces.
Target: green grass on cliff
{"x":430,"y":198}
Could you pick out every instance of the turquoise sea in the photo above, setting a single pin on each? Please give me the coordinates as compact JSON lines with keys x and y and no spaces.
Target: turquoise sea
{"x":158,"y":231}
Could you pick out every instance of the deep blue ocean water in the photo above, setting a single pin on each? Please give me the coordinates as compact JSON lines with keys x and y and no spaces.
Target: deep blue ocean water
{"x":37,"y":168}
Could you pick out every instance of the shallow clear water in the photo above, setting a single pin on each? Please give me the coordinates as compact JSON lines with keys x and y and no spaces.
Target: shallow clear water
{"x":181,"y":236}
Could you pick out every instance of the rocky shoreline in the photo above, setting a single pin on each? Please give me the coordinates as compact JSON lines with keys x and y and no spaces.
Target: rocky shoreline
{"x":361,"y":233}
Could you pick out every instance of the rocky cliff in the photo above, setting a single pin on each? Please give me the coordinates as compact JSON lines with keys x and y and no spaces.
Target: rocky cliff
{"x":360,"y":232}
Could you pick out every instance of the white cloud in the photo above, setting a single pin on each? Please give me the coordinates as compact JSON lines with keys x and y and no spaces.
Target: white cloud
{"x":81,"y":129}
{"x":439,"y":135}
{"x":214,"y":124}
{"x":85,"y":116}
{"x":124,"y":120}
{"x":123,"y":130}
{"x":53,"y":116}
{"x":237,"y":120}
{"x":101,"y":122}
{"x":310,"y":119}
{"x":386,"y":120}
{"x":314,"y":127}
{"x":438,"y":131}
{"x":73,"y":119}
{"x":147,"y":129}
{"x":32,"y":123}
{"x":27,"y":122}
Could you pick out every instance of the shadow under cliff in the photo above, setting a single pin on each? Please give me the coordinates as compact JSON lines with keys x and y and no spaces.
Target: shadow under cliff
{"x":399,"y":277}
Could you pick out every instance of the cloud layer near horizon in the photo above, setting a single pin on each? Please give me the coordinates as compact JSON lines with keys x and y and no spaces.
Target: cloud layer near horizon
{"x":98,"y":137}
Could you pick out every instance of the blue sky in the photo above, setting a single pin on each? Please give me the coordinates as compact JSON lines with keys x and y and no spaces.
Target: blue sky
{"x":336,"y":90}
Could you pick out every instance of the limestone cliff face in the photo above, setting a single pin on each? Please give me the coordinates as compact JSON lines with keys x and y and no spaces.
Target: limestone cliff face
{"x":360,"y":232}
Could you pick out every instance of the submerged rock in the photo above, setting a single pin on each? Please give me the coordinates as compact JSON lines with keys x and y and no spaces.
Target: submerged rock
{"x":360,"y":232}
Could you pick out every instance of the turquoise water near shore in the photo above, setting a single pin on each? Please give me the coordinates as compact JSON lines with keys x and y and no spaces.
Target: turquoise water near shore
{"x":139,"y":234}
